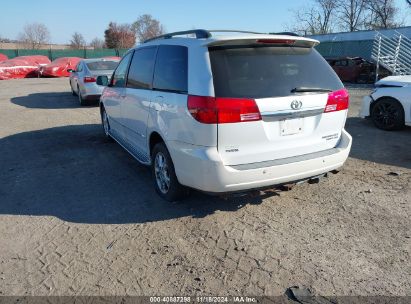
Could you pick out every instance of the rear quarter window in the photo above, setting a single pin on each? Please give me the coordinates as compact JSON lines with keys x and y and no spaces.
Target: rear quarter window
{"x":170,"y":72}
{"x":261,"y":72}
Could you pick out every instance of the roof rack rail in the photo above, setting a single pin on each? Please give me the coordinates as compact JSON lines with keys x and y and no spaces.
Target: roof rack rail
{"x":286,"y":33}
{"x":199,"y":34}
{"x":234,"y":31}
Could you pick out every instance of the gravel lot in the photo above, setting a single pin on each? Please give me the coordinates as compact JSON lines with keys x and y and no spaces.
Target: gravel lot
{"x":79,"y":216}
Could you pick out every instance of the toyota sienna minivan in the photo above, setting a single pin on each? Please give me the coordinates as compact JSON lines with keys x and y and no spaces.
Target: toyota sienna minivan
{"x":227,"y":112}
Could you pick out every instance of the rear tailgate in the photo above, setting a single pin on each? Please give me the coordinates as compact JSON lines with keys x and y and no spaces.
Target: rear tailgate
{"x":291,"y":87}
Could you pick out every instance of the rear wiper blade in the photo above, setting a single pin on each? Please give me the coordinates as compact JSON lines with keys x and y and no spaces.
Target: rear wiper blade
{"x":306,"y":90}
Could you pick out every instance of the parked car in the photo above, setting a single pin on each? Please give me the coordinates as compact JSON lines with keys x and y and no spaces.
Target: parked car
{"x":59,"y":67}
{"x":83,"y":78}
{"x":22,"y":66}
{"x":355,"y":69}
{"x":389,"y":105}
{"x":227,"y":113}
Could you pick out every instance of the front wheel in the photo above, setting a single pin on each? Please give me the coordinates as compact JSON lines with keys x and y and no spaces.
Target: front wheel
{"x":82,"y":101}
{"x":105,"y":123}
{"x":388,"y":114}
{"x":164,"y":176}
{"x":72,"y":91}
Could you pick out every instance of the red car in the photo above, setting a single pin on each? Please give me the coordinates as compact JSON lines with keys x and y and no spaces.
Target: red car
{"x":22,"y":67}
{"x":59,"y":67}
{"x":355,"y":69}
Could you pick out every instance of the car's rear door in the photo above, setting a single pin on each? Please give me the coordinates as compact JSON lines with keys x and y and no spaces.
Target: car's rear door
{"x":292,"y":86}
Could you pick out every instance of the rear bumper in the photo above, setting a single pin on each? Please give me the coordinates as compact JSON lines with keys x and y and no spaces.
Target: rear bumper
{"x":92,"y":97}
{"x":202,"y":168}
{"x":92,"y":91}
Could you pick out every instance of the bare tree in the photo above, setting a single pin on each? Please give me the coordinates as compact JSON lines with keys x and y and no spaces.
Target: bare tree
{"x":34,"y":35}
{"x":119,"y":36}
{"x":316,"y":19}
{"x":147,"y":27}
{"x":351,"y":14}
{"x":97,"y":43}
{"x":77,"y":41}
{"x":383,"y":14}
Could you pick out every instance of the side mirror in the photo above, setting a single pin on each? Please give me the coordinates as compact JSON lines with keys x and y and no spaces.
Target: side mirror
{"x":70,"y":70}
{"x":102,"y":80}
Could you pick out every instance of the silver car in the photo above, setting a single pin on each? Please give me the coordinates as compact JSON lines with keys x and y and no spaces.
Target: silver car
{"x":83,"y":80}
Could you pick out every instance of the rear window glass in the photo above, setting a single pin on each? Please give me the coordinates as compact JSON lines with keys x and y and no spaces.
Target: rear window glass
{"x":171,"y":69}
{"x":102,"y":65}
{"x":269,"y":71}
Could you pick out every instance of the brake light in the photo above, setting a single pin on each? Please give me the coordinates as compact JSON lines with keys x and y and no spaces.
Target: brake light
{"x":212,"y":110}
{"x":89,"y":79}
{"x":276,"y":41}
{"x":337,"y":101}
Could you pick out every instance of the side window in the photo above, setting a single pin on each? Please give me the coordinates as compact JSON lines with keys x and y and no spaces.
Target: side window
{"x":171,"y":69}
{"x":79,"y":67}
{"x":119,"y":76}
{"x":140,"y":74}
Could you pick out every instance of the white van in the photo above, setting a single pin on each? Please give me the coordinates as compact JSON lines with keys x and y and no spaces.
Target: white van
{"x":227,"y":113}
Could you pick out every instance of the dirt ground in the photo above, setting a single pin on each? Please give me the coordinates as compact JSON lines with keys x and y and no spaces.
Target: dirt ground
{"x":79,"y":216}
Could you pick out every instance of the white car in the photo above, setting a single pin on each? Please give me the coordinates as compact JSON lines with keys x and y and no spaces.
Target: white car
{"x":83,"y":79}
{"x":227,"y":113}
{"x":389,"y":105}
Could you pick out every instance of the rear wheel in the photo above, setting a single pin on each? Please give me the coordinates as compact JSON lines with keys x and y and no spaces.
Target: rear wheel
{"x":388,"y":114}
{"x":165,"y":179}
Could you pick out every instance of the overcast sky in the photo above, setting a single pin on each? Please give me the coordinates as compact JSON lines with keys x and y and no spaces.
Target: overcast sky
{"x":91,"y":17}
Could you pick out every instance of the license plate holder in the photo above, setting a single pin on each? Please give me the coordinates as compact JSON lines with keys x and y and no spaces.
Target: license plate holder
{"x":291,"y":126}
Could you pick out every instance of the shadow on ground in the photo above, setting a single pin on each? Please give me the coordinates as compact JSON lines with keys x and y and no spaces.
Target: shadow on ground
{"x":75,"y":174}
{"x":52,"y":100}
{"x":375,"y":145}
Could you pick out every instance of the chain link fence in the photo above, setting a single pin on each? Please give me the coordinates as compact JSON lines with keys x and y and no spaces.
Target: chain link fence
{"x":360,"y":48}
{"x":53,"y":54}
{"x":355,"y":48}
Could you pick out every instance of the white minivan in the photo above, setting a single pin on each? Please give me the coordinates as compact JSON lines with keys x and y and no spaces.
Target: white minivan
{"x":227,"y":113}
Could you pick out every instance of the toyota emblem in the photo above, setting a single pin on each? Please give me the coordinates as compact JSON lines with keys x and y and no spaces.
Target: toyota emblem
{"x":296,"y":105}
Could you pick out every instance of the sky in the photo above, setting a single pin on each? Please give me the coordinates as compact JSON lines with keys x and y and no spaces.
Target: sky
{"x":91,"y":17}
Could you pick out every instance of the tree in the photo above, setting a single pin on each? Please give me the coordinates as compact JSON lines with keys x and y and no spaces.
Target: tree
{"x":383,"y":14}
{"x":119,"y":36}
{"x":316,"y":19}
{"x":34,"y":35}
{"x":97,"y":43}
{"x":351,"y":14}
{"x":77,"y":41}
{"x":147,"y":27}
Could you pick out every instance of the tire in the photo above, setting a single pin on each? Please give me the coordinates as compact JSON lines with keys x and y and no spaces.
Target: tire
{"x":72,"y":91}
{"x":388,"y":114}
{"x":106,"y":124}
{"x":82,"y":101}
{"x":164,"y":176}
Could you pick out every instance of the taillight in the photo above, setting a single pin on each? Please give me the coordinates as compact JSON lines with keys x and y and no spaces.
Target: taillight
{"x":89,"y":79}
{"x":212,"y":110}
{"x":337,"y":101}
